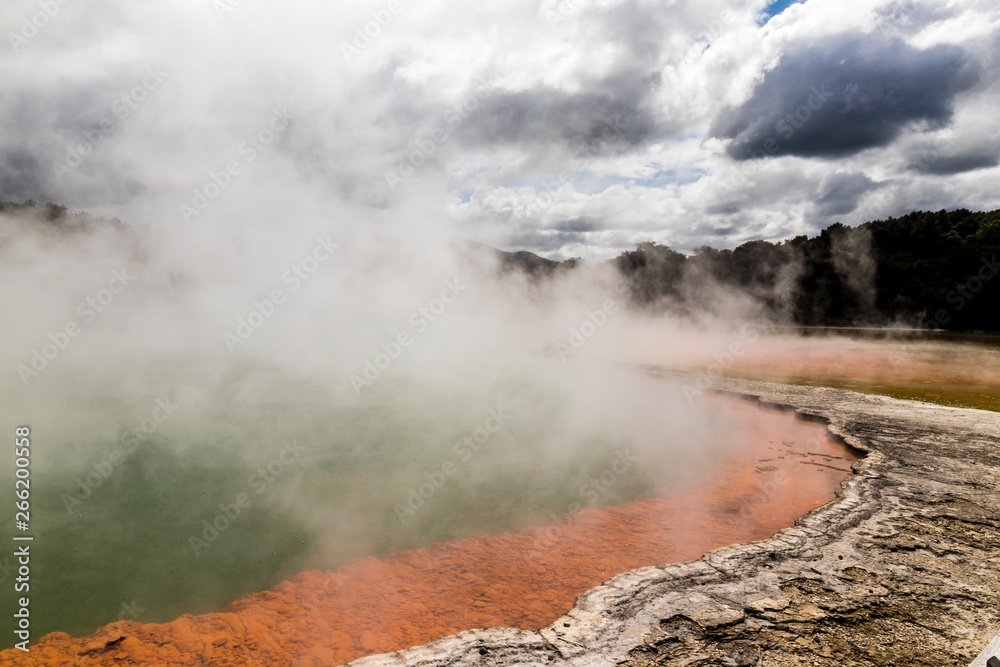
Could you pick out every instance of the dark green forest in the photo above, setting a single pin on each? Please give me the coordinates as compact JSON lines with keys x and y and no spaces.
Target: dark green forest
{"x":935,"y":270}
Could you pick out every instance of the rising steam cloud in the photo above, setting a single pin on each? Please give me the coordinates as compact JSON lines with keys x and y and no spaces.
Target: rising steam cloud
{"x":287,"y":315}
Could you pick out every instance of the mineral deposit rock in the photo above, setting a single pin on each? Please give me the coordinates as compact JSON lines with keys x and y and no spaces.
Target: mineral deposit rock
{"x":902,"y":569}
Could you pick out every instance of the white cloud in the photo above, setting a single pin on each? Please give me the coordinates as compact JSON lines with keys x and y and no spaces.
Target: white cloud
{"x":657,"y":74}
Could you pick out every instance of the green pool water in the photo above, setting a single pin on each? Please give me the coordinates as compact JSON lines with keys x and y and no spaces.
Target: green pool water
{"x":257,"y":475}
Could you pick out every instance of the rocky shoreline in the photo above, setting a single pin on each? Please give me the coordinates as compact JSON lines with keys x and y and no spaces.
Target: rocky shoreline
{"x":902,"y":569}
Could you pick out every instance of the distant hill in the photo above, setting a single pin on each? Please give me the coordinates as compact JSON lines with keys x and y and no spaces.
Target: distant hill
{"x":521,"y":260}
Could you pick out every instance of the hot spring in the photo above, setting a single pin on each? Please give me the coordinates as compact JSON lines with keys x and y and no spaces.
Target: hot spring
{"x":409,"y":514}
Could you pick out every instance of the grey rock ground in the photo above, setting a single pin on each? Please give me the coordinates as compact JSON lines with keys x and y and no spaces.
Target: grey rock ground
{"x":992,"y":650}
{"x":902,"y":568}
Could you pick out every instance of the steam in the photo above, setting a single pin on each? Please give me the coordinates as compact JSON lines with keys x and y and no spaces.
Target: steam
{"x":216,"y":412}
{"x":854,"y":263}
{"x":279,"y":346}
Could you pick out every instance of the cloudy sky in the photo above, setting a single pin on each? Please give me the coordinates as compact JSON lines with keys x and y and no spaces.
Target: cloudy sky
{"x":564,"y":127}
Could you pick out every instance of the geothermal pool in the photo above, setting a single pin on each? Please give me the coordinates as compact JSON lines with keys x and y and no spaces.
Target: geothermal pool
{"x":948,"y":369}
{"x":510,"y":537}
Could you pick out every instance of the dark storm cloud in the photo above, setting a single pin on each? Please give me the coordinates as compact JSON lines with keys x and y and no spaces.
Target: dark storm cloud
{"x":45,"y":124}
{"x":578,"y":225}
{"x":957,"y":164}
{"x":544,"y":116}
{"x":608,"y":113}
{"x":839,"y":193}
{"x":23,"y":174}
{"x":537,"y":118}
{"x":844,"y":95}
{"x":716,"y":232}
{"x":20,"y":176}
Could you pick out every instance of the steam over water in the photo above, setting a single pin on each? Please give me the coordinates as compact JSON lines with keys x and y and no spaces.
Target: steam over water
{"x":382,"y":397}
{"x":386,"y":397}
{"x":141,"y":544}
{"x":292,"y":356}
{"x":179,"y":476}
{"x":257,"y":476}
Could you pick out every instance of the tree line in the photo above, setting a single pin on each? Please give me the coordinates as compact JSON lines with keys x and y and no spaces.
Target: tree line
{"x":935,"y":270}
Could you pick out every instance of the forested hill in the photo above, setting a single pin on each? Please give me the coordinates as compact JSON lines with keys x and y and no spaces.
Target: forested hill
{"x":52,"y":221}
{"x":927,"y":269}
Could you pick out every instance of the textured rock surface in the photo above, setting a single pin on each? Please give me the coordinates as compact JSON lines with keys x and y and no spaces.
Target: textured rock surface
{"x":902,"y":569}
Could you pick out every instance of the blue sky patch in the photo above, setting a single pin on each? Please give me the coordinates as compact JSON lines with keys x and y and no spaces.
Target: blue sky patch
{"x":777,"y":7}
